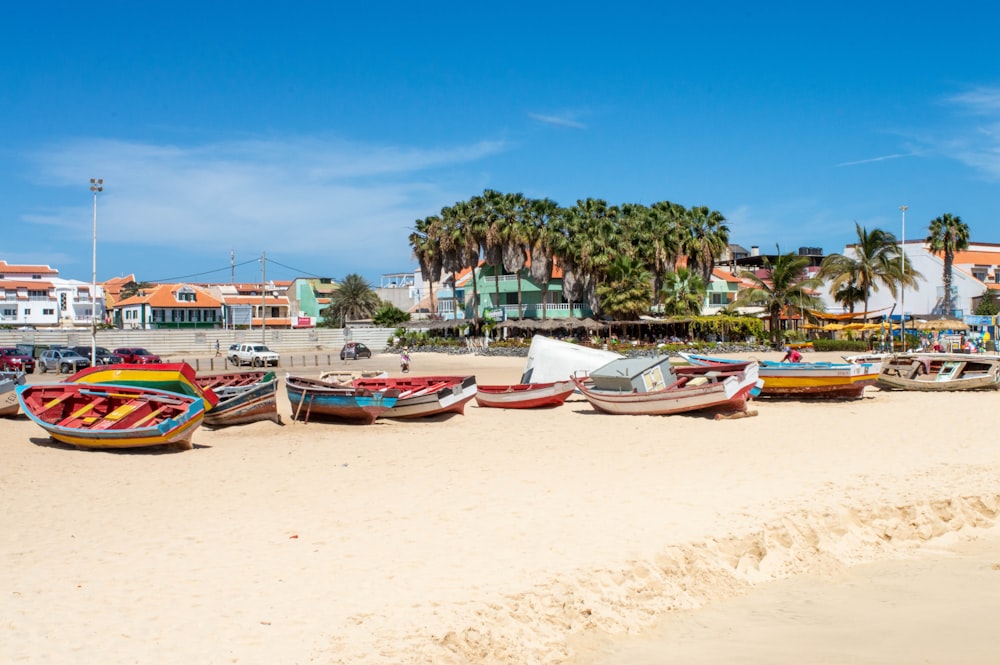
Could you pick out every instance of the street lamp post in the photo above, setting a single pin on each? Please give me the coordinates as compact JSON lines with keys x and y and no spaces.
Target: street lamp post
{"x":902,"y":281}
{"x":96,"y":185}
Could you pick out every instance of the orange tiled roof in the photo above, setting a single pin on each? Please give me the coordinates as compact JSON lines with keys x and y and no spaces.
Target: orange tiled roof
{"x":976,"y":258}
{"x":256,"y":300}
{"x":162,"y":296}
{"x":14,"y":269}
{"x":725,"y":275}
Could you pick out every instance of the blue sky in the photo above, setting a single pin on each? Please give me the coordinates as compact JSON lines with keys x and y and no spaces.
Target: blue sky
{"x":318,"y":132}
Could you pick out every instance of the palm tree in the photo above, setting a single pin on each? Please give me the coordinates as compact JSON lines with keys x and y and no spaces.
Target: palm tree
{"x":426,"y":247}
{"x":625,"y":294}
{"x":663,"y":241}
{"x":705,"y":238}
{"x":786,"y":284}
{"x":683,"y":293}
{"x":354,"y":299}
{"x":948,"y":234}
{"x":540,"y":215}
{"x":514,"y":234}
{"x":875,"y":262}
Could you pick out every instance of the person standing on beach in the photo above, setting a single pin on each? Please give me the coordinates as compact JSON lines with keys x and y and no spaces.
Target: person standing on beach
{"x":404,"y":360}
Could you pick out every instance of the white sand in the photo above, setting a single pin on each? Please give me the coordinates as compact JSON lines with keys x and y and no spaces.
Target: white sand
{"x":493,"y":537}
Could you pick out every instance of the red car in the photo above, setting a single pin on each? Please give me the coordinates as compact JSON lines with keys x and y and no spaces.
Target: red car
{"x":136,"y":355}
{"x":12,"y":361}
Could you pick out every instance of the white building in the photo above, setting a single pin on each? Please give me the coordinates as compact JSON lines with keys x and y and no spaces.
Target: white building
{"x":36,"y":296}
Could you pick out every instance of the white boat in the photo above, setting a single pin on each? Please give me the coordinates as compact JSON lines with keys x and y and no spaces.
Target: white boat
{"x":940,"y":372}
{"x":640,"y":386}
{"x":551,"y":360}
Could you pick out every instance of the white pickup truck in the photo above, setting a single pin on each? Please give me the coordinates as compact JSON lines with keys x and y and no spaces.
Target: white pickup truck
{"x":257,"y":355}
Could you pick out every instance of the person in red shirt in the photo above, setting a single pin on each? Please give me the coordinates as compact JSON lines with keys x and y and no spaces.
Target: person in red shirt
{"x":791,"y":356}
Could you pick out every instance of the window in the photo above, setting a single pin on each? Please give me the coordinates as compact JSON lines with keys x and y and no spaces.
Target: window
{"x":48,"y":312}
{"x":719,"y":299}
{"x":10,"y":312}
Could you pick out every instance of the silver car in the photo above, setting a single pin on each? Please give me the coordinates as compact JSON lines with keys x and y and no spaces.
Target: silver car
{"x":64,"y":361}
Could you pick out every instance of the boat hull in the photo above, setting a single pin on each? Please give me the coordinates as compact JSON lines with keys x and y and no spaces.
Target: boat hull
{"x":940,"y":372}
{"x":524,"y":395}
{"x":424,"y":396}
{"x":9,"y":381}
{"x":821,"y":380}
{"x":723,"y":392}
{"x":311,"y":398}
{"x":172,"y":377}
{"x":108,"y":416}
{"x":245,"y":404}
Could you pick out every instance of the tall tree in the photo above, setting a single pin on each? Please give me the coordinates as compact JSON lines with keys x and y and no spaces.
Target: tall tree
{"x":624,"y":293}
{"x":353,"y":300}
{"x":705,"y":239}
{"x":541,"y":228}
{"x":875,"y":261}
{"x":783,"y":284}
{"x":426,"y":246}
{"x":946,"y":235}
{"x":683,"y":293}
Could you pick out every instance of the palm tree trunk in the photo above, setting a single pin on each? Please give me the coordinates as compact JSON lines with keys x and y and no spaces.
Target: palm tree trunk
{"x":520,"y":309}
{"x":545,"y":292}
{"x":454,"y":296}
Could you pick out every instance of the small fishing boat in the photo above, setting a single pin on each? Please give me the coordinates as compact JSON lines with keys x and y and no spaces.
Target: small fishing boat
{"x":524,"y":395}
{"x":171,"y":377}
{"x":112,"y":416}
{"x":9,"y":381}
{"x":940,"y":372}
{"x":817,"y":380}
{"x":421,"y":396}
{"x":347,"y":377}
{"x":312,"y":397}
{"x":244,"y":397}
{"x":643,"y":386}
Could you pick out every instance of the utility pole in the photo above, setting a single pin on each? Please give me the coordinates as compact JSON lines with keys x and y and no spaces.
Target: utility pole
{"x":902,"y":283}
{"x":263,"y":297}
{"x":96,"y":185}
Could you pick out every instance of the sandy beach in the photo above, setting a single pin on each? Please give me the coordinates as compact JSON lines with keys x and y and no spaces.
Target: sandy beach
{"x":491,"y":537}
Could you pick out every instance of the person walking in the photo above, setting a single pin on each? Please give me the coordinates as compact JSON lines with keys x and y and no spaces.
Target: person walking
{"x":404,"y":360}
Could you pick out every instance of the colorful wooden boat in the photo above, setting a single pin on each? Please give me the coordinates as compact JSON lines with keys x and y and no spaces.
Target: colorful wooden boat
{"x":422,"y":396}
{"x":312,"y":397}
{"x":244,"y":397}
{"x":819,"y":380}
{"x":9,"y":381}
{"x":112,"y":416}
{"x":643,"y":386}
{"x":172,"y":377}
{"x":524,"y":395}
{"x":940,"y":372}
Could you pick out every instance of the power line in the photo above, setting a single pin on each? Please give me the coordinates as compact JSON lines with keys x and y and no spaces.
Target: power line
{"x":199,"y":274}
{"x":296,"y":270}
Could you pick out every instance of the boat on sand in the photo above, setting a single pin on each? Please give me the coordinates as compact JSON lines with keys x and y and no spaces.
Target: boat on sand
{"x":524,"y":395}
{"x":312,"y":397}
{"x":9,"y":381}
{"x":643,"y":386}
{"x":112,"y":416}
{"x":940,"y":372}
{"x":816,"y":380}
{"x":422,"y":396}
{"x":172,"y":377}
{"x":244,"y":397}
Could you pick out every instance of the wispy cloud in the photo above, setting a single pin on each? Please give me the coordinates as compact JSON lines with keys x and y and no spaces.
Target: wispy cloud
{"x":978,"y":144}
{"x":347,"y":202}
{"x":566,"y":120}
{"x":881,"y":158}
{"x":982,"y":100}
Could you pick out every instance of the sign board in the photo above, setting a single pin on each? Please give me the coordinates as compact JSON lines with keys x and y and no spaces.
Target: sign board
{"x":496,"y":313}
{"x":303,"y":322}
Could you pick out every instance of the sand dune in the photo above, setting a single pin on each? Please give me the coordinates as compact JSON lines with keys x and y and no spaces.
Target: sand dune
{"x":493,"y":537}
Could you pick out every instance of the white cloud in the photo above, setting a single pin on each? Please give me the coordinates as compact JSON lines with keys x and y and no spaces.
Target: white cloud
{"x":290,"y":197}
{"x":565,"y":120}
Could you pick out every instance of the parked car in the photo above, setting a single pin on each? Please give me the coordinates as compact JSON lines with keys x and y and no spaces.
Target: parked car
{"x":355,"y":350}
{"x":257,"y":355}
{"x":13,"y":361}
{"x":64,"y":361}
{"x":104,"y":357}
{"x":136,"y":355}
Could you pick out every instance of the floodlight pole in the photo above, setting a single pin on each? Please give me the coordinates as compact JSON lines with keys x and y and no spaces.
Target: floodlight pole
{"x":902,"y":281}
{"x":96,"y":185}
